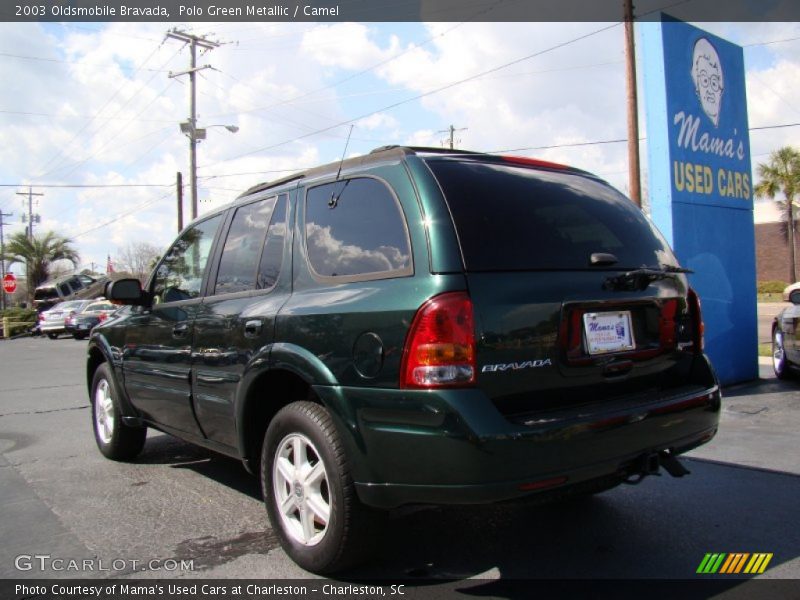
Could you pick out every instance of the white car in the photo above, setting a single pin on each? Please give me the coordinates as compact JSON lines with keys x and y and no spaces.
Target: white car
{"x":789,"y":289}
{"x":51,"y":322}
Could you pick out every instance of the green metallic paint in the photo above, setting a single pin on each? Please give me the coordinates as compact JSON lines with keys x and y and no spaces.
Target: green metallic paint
{"x":445,"y":256}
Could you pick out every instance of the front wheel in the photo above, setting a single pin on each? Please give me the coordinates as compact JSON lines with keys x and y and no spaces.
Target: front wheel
{"x":52,"y":335}
{"x":309,"y":492}
{"x":115,"y":440}
{"x":779,"y":362}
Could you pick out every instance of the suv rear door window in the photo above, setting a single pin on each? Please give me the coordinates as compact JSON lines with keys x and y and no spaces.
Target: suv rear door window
{"x":355,"y":228}
{"x":516,"y":218}
{"x":243,"y":247}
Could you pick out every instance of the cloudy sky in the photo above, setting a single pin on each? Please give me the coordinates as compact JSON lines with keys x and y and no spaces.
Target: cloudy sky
{"x":91,"y":106}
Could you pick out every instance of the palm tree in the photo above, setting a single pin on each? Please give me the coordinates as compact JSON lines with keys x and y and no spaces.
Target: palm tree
{"x":782,"y":175}
{"x":39,"y":254}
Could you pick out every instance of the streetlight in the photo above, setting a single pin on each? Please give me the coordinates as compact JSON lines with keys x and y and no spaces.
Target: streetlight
{"x":195,"y":134}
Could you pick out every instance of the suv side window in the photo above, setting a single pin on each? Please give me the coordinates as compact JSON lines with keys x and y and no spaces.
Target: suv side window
{"x":180,"y":274}
{"x":243,"y":246}
{"x":355,"y":228}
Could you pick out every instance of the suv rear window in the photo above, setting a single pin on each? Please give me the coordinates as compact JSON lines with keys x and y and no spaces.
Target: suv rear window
{"x":516,"y":218}
{"x":355,"y":228}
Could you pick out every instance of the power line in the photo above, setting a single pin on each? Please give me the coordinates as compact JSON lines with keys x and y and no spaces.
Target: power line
{"x":572,"y":145}
{"x":419,"y":96}
{"x":121,"y":216}
{"x":73,"y":62}
{"x":774,"y":126}
{"x":61,"y":152}
{"x":135,"y":37}
{"x":771,"y":42}
{"x":362,"y":72}
{"x":80,"y":185}
{"x":113,"y":137}
{"x":618,"y":141}
{"x":89,"y":117}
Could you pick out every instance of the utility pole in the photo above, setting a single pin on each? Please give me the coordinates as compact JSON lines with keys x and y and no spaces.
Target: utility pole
{"x":179,"y":184}
{"x":634,"y":173}
{"x":452,"y":130}
{"x":190,"y":128}
{"x":2,"y":259}
{"x":31,"y":217}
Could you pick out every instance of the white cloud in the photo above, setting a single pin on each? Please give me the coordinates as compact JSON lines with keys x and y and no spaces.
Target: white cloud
{"x":99,"y":120}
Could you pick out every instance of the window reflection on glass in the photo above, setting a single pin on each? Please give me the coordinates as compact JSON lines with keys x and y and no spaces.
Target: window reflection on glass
{"x":243,"y":246}
{"x":272,"y":256}
{"x":180,"y":274}
{"x":355,"y":227}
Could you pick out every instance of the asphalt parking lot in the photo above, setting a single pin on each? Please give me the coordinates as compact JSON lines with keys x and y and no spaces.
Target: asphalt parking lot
{"x":60,"y":497}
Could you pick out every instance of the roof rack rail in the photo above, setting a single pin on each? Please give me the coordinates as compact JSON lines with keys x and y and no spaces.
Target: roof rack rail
{"x":260,"y":187}
{"x":423,"y":149}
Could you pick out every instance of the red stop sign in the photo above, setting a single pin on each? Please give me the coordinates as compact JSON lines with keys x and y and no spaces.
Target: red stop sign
{"x":9,"y":283}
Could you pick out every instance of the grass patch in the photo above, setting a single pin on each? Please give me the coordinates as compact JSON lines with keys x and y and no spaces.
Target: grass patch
{"x":765,"y":350}
{"x":770,"y":297}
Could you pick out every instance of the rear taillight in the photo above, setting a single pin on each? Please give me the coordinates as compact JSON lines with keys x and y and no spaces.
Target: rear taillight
{"x":668,"y":333}
{"x":440,"y":347}
{"x":103,"y":317}
{"x":698,"y":328}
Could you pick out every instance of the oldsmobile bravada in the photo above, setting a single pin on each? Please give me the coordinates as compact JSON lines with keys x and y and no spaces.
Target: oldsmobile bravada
{"x":413,"y":326}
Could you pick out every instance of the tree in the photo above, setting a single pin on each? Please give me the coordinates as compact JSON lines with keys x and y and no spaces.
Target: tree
{"x":39,"y":254}
{"x":138,"y":259}
{"x":781,"y":175}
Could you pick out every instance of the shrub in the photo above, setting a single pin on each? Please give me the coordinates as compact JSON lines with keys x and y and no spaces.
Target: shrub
{"x":22,"y":315}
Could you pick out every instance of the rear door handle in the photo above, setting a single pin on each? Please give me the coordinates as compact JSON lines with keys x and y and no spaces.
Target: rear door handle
{"x":180,"y":330}
{"x":252,"y":328}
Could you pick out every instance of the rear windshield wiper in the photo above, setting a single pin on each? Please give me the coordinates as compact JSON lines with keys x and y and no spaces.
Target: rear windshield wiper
{"x":639,"y":279}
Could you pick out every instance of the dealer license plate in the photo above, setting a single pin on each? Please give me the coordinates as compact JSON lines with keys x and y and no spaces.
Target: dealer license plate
{"x":608,"y":332}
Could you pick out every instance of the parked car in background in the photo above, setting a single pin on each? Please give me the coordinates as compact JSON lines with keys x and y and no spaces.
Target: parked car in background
{"x":413,"y":326}
{"x":785,"y":342}
{"x":787,"y":291}
{"x":51,"y":293}
{"x":80,"y":323}
{"x":52,"y":321}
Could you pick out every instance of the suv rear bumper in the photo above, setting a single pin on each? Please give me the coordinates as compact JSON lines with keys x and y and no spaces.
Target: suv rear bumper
{"x":454,"y":447}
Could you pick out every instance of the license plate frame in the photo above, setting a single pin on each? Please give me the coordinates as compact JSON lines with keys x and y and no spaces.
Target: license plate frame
{"x":608,"y":332}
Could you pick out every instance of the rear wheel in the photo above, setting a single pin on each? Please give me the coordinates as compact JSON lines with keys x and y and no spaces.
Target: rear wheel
{"x":309,"y":492}
{"x":115,"y":440}
{"x":52,"y":335}
{"x":779,"y":363}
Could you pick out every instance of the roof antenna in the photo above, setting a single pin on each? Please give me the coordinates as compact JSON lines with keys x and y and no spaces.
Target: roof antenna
{"x":334,"y":196}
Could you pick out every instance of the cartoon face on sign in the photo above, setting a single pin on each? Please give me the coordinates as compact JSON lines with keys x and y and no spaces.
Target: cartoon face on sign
{"x":707,"y":76}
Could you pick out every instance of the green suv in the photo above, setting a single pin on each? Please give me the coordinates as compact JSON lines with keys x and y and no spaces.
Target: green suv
{"x":412,"y":326}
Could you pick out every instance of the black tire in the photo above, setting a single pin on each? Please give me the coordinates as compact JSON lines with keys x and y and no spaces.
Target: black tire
{"x":79,"y":336}
{"x":115,"y":440}
{"x":780,"y":365}
{"x":351,"y":528}
{"x":52,"y":335}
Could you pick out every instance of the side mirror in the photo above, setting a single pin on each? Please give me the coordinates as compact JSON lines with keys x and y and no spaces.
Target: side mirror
{"x":794,"y":297}
{"x":126,"y":291}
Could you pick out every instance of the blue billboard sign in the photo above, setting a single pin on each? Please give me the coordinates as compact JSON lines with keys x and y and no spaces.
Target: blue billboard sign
{"x":700,"y":183}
